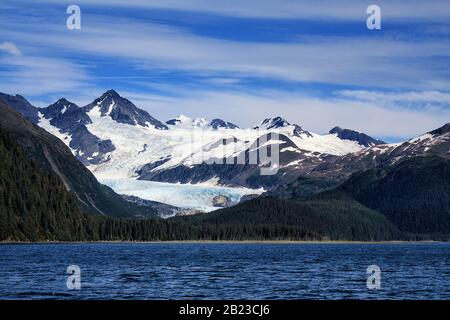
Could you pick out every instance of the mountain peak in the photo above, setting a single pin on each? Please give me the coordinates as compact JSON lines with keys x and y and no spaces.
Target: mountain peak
{"x":106,"y":100}
{"x":185,"y":121}
{"x":219,"y":123}
{"x":58,"y":108}
{"x":123,"y":110}
{"x":352,"y":135}
{"x":111,"y":93}
{"x":442,"y":130}
{"x":279,"y":123}
{"x":62,"y":101}
{"x":273,"y":123}
{"x":20,"y":104}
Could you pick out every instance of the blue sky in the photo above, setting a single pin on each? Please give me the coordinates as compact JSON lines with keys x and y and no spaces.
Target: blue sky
{"x":313,"y":62}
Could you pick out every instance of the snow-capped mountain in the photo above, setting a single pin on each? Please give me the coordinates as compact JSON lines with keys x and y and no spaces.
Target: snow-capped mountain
{"x":337,"y":170}
{"x":122,"y":110}
{"x":67,"y":121}
{"x":282,"y":125}
{"x":183,"y":121}
{"x":116,"y":139}
{"x":361,"y":138}
{"x":272,"y":123}
{"x":219,"y":123}
{"x":186,"y":122}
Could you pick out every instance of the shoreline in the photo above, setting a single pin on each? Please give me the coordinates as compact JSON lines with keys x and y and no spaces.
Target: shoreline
{"x":227,"y":242}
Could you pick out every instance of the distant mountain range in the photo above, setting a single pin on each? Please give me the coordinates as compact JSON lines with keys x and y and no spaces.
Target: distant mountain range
{"x":115,"y":138}
{"x":343,"y":185}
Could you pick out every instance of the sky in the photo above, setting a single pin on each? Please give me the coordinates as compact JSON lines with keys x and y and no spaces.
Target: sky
{"x":314,"y":63}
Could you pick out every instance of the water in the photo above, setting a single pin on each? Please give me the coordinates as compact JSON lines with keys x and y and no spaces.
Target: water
{"x":188,"y":196}
{"x":225,"y":271}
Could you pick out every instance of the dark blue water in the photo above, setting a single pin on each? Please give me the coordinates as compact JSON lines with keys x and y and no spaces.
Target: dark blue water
{"x":225,"y":271}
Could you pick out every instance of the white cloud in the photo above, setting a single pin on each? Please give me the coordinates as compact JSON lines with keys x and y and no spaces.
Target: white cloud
{"x":408,"y":96}
{"x":10,"y":48}
{"x":34,"y":75}
{"x":362,"y":61}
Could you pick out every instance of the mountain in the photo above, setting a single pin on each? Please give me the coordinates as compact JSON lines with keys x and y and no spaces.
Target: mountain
{"x":219,"y":123}
{"x":186,"y":122}
{"x":122,"y":110}
{"x":336,"y":171}
{"x":407,"y":200}
{"x":22,"y":106}
{"x":34,"y":205}
{"x":183,"y":121}
{"x":278,"y":123}
{"x":300,"y":152}
{"x":68,"y":122}
{"x":414,"y":194}
{"x":49,"y":154}
{"x":361,"y":138}
{"x":408,"y":183}
{"x":115,"y":139}
{"x":272,"y":123}
{"x":237,"y":168}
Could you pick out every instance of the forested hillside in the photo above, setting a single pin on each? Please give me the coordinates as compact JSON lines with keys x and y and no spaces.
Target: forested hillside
{"x":414,"y":195}
{"x":34,"y":204}
{"x":328,"y":217}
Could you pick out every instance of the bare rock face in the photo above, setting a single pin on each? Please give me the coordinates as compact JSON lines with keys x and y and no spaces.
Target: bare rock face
{"x":221,"y":201}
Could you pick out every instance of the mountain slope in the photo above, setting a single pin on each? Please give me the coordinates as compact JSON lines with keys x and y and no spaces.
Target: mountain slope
{"x":68,"y":121}
{"x":21,"y":105}
{"x":34,"y":204}
{"x":52,"y":155}
{"x":410,"y":200}
{"x":332,"y":173}
{"x":414,"y":195}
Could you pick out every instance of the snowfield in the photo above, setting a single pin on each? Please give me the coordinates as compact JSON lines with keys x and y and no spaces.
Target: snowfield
{"x":187,"y":142}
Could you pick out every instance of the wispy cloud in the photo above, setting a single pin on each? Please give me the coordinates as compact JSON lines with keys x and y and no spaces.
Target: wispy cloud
{"x":10,"y":48}
{"x":361,"y":61}
{"x":408,"y":96}
{"x":34,"y":75}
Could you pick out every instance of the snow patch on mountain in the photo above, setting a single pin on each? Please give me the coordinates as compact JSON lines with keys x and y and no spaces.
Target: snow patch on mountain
{"x":45,"y":124}
{"x":329,"y":144}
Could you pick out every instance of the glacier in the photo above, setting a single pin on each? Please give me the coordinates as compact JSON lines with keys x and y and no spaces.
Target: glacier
{"x":185,"y":196}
